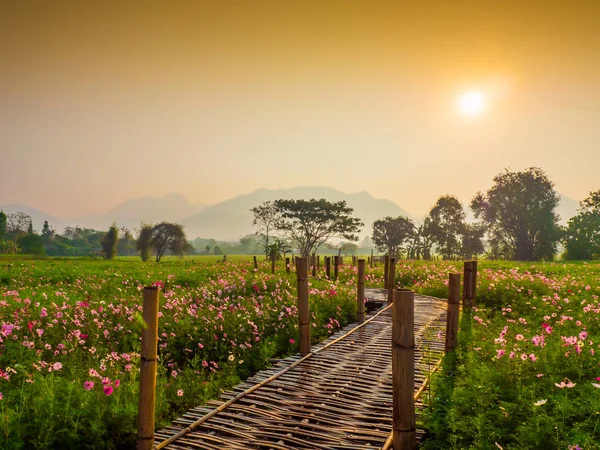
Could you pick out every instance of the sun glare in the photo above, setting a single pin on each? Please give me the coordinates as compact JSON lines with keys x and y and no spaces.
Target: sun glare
{"x":471,"y":103}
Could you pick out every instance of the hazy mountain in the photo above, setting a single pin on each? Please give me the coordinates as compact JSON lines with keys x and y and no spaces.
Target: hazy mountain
{"x":567,"y":208}
{"x":232,"y":218}
{"x":170,"y":208}
{"x":37,"y":216}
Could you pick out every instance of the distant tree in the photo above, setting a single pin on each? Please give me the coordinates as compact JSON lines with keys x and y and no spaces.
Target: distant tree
{"x":266,"y":218}
{"x":47,"y":233}
{"x":207,"y":249}
{"x":2,"y":231}
{"x":217,"y":250}
{"x":447,"y":221}
{"x":420,"y":241}
{"x":311,"y":223}
{"x":109,"y":242}
{"x":390,"y":233}
{"x":16,"y":226}
{"x":518,"y":211}
{"x":248,"y":244}
{"x":472,"y":241}
{"x":126,"y":243}
{"x":30,"y":228}
{"x":169,"y":237}
{"x":278,"y":248}
{"x":144,"y":242}
{"x":349,"y":248}
{"x":31,"y":244}
{"x":582,"y":236}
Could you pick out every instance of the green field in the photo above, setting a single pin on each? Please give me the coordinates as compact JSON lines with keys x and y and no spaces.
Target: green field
{"x":69,"y":346}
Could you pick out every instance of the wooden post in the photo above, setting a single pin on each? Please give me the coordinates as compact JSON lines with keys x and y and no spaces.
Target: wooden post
{"x":318,"y":262}
{"x":336,"y":267}
{"x":354,"y":261}
{"x":328,"y":267}
{"x":403,"y":370}
{"x":372,"y":262}
{"x":147,"y":396}
{"x":467,"y":284}
{"x":473,"y":282}
{"x":313,"y":263}
{"x":273,"y":262}
{"x":287,"y":265}
{"x":391,"y":279}
{"x":386,"y":268}
{"x":360,"y":294}
{"x":453,"y":307}
{"x":303,"y":307}
{"x":255,"y":263}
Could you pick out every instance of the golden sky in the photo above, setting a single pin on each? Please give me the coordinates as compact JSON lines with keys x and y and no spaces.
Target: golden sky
{"x":100,"y":102}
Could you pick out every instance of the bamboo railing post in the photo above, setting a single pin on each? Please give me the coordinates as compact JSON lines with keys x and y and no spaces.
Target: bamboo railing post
{"x":303,"y":306}
{"x":372,"y":262}
{"x":391,"y":279}
{"x":328,"y":267}
{"x":453,"y":309}
{"x":473,"y":282}
{"x":467,"y":284}
{"x":336,"y":267}
{"x":360,"y":294}
{"x":149,"y":355}
{"x":313,"y":263}
{"x":403,"y":370}
{"x":318,"y":262}
{"x":255,"y":263}
{"x":386,"y":268}
{"x":287,"y":265}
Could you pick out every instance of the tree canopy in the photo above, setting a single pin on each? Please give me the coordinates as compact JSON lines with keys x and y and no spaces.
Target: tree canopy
{"x":390,"y":233}
{"x":582,"y":237}
{"x":519,"y":213}
{"x":446,"y":226}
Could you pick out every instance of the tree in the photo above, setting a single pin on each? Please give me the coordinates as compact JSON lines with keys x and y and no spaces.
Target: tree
{"x":265,"y":218}
{"x":248,"y":244}
{"x":390,"y":233}
{"x":582,"y":237}
{"x":420,"y":241}
{"x":16,"y":224}
{"x":143,"y":244}
{"x":47,"y":233}
{"x":31,"y":244}
{"x":277,"y":249}
{"x":126,"y":243}
{"x":169,"y":237}
{"x":109,"y":242}
{"x":349,"y":248}
{"x":217,"y":250}
{"x":472,"y":241}
{"x":519,"y":213}
{"x":310,"y":223}
{"x":2,"y":231}
{"x":446,"y":225}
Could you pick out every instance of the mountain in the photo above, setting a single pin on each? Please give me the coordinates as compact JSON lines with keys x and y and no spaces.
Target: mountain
{"x":37,"y":216}
{"x":170,"y":208}
{"x":567,"y":208}
{"x":232,"y":219}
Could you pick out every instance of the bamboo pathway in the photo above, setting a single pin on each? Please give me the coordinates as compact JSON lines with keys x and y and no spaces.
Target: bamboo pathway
{"x":339,"y":397}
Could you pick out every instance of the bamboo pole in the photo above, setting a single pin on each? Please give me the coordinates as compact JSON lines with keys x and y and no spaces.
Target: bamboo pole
{"x":318,"y":262}
{"x":467,"y":284}
{"x":386,"y":268}
{"x":313,"y":263}
{"x":255,"y":263}
{"x":287,"y":265}
{"x":303,"y":306}
{"x":403,"y":370}
{"x":147,"y":397}
{"x":372,"y":262}
{"x":328,"y":267}
{"x":453,"y":308}
{"x":473,"y":282}
{"x":391,"y":279}
{"x":336,"y":267}
{"x":360,"y":297}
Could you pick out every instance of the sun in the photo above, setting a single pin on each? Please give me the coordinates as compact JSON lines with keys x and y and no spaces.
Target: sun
{"x":471,"y":103}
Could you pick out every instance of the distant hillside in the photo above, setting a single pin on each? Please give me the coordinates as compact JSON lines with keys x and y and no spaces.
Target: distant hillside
{"x":37,"y":216}
{"x":232,"y":218}
{"x":567,"y":208}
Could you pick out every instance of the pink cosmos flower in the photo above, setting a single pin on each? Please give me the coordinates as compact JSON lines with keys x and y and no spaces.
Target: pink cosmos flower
{"x":88,"y":385}
{"x":108,"y":390}
{"x":583,"y":335}
{"x":117,"y":383}
{"x":180,"y":393}
{"x":524,"y":356}
{"x":292,"y":341}
{"x":57,"y":366}
{"x":500,"y":353}
{"x":533,"y":357}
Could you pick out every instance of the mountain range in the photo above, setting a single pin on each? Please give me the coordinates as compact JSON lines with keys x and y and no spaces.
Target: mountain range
{"x":231,"y":219}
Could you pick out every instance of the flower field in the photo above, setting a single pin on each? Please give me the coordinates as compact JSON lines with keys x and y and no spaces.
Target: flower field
{"x":525,"y":375}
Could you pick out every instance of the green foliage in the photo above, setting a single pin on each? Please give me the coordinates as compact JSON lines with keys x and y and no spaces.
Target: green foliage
{"x":2,"y":231}
{"x":582,"y":237}
{"x":390,"y":233}
{"x":519,"y":212}
{"x":447,"y":224}
{"x":109,"y":242}
{"x":266,"y":217}
{"x":143,"y":244}
{"x":169,"y":237}
{"x":311,"y":223}
{"x":31,"y":244}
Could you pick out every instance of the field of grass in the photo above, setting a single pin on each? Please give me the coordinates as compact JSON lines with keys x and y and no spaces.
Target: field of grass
{"x":525,"y":375}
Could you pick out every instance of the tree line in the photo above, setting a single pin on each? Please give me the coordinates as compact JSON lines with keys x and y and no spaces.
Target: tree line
{"x":515,"y":219}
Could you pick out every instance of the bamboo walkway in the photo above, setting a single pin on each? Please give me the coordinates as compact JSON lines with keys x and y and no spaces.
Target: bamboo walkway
{"x":338,"y":397}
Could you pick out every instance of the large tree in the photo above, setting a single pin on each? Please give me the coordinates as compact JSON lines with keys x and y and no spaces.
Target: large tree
{"x":109,"y":242}
{"x":446,"y":226}
{"x":17,"y":225}
{"x":266,"y":217}
{"x":390,"y":233}
{"x":472,"y":241}
{"x":311,"y":223}
{"x":519,"y":212}
{"x":169,"y":237}
{"x":582,"y":237}
{"x":143,"y":244}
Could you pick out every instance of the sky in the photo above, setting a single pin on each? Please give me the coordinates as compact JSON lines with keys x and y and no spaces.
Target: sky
{"x":101,"y":101}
